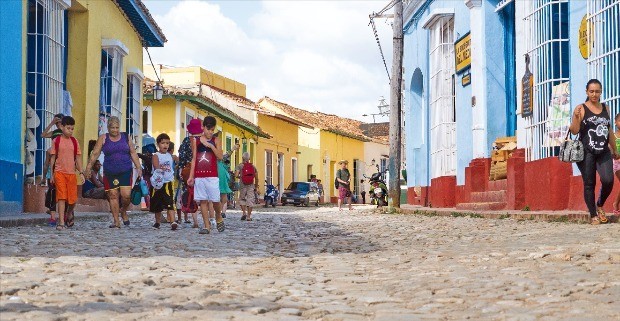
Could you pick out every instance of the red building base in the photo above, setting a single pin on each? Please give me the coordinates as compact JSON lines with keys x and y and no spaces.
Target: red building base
{"x":546,"y":184}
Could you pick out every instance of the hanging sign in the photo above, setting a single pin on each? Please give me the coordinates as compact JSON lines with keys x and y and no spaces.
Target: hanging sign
{"x":466,"y":79}
{"x":527,"y":90}
{"x":586,"y":37}
{"x":462,"y":53}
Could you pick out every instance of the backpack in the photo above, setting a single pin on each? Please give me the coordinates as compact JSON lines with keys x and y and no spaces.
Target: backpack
{"x":248,"y":173}
{"x":336,"y":182}
{"x":188,"y":204}
{"x":73,"y":140}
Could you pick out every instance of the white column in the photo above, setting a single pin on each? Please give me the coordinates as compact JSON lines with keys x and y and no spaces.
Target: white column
{"x":177,"y":121}
{"x":478,"y":79}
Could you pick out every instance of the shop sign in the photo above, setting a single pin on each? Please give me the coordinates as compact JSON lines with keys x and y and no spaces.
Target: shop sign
{"x":527,"y":90}
{"x":466,"y":79}
{"x":462,"y":53}
{"x":586,"y":37}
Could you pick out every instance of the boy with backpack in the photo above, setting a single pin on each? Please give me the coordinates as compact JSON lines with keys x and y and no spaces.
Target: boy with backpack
{"x":66,"y":158}
{"x":248,"y":176}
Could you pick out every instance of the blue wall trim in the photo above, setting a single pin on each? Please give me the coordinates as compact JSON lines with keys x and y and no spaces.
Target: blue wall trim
{"x":415,"y":17}
{"x":11,"y":182}
{"x":11,"y":78}
{"x":148,"y":31}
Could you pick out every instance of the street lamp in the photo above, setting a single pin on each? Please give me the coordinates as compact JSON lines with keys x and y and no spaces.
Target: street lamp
{"x":158,"y":91}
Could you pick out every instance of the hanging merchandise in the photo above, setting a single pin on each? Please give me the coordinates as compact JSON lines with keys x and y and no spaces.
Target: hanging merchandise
{"x":67,"y":103}
{"x":103,"y":124}
{"x":31,"y":142}
{"x":32,"y":119}
{"x":29,"y":163}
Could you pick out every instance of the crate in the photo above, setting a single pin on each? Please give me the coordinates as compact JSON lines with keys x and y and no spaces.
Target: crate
{"x":502,"y":150}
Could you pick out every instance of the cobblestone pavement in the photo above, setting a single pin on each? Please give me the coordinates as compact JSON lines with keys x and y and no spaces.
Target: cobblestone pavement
{"x":316,"y":264}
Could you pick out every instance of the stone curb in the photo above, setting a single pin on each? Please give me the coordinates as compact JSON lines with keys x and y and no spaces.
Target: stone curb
{"x":559,"y":216}
{"x":43,"y":219}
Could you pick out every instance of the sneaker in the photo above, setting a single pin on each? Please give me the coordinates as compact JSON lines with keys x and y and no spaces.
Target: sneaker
{"x":52,"y":223}
{"x":156,"y":226}
{"x":223,"y":215}
{"x":204,"y":231}
{"x":221,"y":226}
{"x":213,"y":223}
{"x":174,"y":226}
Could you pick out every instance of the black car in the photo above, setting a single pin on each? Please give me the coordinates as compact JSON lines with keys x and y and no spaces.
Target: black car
{"x":301,"y":193}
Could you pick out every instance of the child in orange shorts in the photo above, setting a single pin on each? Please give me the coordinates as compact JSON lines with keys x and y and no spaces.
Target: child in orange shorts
{"x":65,"y":160}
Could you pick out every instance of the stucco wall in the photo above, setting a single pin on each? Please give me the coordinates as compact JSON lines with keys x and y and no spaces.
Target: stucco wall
{"x":284,"y":141}
{"x":90,"y":21}
{"x":12,"y":97}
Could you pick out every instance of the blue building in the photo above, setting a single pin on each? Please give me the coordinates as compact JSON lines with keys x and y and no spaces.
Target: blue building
{"x":465,"y":79}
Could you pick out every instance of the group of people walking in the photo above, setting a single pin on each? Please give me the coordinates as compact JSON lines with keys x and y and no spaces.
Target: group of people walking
{"x":201,"y":169}
{"x":200,"y":174}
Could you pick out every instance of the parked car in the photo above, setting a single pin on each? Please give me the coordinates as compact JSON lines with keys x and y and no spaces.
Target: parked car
{"x":301,"y":193}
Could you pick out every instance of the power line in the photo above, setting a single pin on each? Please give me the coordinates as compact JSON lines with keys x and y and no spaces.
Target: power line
{"x":374,"y":30}
{"x":148,"y":53}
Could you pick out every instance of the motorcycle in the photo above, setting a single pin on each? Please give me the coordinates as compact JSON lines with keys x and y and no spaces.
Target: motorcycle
{"x":271,"y":195}
{"x":378,"y":189}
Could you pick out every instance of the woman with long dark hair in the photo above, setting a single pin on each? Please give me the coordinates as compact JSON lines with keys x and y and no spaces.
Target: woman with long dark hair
{"x":592,"y":122}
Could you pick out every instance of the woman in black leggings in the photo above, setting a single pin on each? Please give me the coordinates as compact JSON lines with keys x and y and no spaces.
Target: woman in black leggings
{"x":591,"y":120}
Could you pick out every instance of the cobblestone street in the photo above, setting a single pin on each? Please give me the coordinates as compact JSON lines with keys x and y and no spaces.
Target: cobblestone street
{"x":306,"y":263}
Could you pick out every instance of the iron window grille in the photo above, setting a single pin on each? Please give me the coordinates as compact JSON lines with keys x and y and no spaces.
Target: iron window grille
{"x":45,"y":71}
{"x":547,"y":41}
{"x":134,"y":84}
{"x":443,"y":122}
{"x":269,"y":166}
{"x":111,"y":90}
{"x":604,"y":60}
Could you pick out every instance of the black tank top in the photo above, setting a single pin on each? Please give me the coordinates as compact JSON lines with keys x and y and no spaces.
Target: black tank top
{"x":594,"y":130}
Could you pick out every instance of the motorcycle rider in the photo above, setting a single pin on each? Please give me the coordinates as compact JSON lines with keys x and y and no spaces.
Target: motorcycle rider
{"x":343,"y":177}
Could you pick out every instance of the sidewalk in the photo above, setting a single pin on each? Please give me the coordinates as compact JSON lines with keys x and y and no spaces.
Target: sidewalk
{"x":30,"y":219}
{"x":546,"y":216}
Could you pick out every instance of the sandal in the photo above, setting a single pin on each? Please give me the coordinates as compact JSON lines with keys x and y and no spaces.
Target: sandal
{"x":126,"y":223}
{"x":601,"y":215}
{"x":113,"y":225}
{"x":60,"y":227}
{"x":243,"y":217}
{"x":249,"y":219}
{"x":70,"y":219}
{"x":595,"y":221}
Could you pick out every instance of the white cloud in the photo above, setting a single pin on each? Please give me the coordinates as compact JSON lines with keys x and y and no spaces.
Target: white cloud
{"x":316,"y":55}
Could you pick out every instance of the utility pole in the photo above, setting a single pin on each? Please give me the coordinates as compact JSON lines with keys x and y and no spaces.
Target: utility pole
{"x":395,"y":108}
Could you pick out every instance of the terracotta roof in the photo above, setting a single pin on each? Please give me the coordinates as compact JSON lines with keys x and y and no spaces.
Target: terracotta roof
{"x":194,"y":91}
{"x":376,"y":129}
{"x":328,"y":122}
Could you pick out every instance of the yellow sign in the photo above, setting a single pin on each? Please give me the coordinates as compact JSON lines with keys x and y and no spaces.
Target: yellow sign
{"x":586,"y":37}
{"x":462,"y":53}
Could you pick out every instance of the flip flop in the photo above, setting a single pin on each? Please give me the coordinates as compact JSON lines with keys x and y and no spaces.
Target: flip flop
{"x":70,"y":219}
{"x":114,"y":226}
{"x":126,"y":223}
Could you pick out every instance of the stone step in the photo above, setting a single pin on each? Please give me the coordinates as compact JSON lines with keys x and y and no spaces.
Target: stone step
{"x":481,"y":206}
{"x":8,"y":208}
{"x":498,"y":185}
{"x":490,"y":196}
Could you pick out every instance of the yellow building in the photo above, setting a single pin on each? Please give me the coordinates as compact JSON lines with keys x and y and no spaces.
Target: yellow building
{"x":183,"y":76}
{"x":180,"y":105}
{"x":331,"y":139}
{"x":81,"y":58}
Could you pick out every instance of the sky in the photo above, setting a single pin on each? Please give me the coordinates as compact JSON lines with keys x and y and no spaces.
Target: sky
{"x":315,"y":55}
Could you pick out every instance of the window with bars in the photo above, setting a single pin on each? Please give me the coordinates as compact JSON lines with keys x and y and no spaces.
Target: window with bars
{"x":443,"y":116}
{"x":111,"y":86}
{"x":134,"y":84}
{"x":604,"y":60}
{"x":547,"y":41}
{"x":269,"y":166}
{"x":45,"y":71}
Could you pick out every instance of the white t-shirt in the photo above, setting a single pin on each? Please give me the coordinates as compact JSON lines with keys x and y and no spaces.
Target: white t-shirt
{"x":166,"y":164}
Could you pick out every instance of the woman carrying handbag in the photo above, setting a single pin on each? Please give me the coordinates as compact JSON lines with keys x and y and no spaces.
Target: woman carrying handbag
{"x":592,"y":122}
